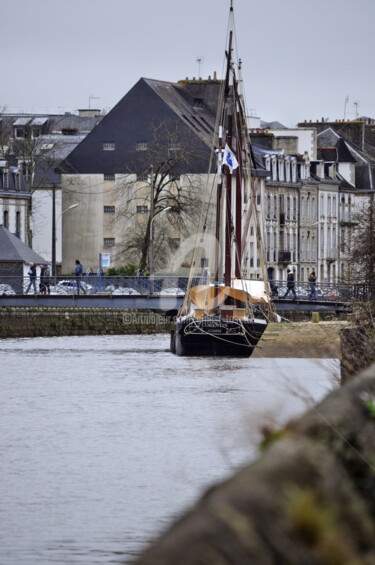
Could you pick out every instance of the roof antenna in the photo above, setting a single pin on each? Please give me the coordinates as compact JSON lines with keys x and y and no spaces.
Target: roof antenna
{"x":91,"y":97}
{"x":199,"y":60}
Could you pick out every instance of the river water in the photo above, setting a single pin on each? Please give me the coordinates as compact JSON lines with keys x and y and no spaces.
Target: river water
{"x":105,"y":440}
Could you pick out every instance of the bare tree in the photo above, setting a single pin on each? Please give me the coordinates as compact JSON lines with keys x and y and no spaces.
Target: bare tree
{"x":362,"y":252}
{"x":163,"y":177}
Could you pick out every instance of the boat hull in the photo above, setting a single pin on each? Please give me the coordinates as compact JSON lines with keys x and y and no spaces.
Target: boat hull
{"x":223,"y":338}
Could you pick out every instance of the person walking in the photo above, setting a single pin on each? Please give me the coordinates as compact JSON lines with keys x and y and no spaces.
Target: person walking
{"x":42,"y":286}
{"x":47,"y":280}
{"x":312,"y":282}
{"x":78,"y":271}
{"x":290,"y":285}
{"x":32,"y":278}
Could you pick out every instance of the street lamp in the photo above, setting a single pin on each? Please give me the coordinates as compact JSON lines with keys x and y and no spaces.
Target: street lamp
{"x":54,"y":221}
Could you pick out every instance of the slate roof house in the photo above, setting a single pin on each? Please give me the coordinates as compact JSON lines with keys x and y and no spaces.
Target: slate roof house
{"x":117,"y":154}
{"x":14,"y":199}
{"x":37,"y":143}
{"x":353,"y":157}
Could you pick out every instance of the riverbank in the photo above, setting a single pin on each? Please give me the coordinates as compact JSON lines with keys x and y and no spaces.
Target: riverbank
{"x":287,"y":339}
{"x":301,"y":340}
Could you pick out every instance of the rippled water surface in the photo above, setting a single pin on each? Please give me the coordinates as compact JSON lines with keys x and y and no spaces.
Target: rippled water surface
{"x":104,"y":440}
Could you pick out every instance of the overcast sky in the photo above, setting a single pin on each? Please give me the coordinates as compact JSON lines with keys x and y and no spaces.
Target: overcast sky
{"x":301,"y":58}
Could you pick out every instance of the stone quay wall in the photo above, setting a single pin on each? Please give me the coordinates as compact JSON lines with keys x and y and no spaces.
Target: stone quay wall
{"x":50,"y":321}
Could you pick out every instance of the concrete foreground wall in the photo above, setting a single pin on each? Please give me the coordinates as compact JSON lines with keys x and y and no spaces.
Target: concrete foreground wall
{"x":308,"y":499}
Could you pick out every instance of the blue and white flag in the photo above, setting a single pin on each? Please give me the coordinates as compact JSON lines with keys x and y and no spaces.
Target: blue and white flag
{"x":229,"y":159}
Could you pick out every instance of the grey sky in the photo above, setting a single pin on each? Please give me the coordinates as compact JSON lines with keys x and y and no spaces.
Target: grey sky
{"x":301,"y":58}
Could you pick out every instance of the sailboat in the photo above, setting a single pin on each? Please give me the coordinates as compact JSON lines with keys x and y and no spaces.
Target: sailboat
{"x":224,"y":313}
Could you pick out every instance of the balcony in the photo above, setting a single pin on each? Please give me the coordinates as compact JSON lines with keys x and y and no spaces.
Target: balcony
{"x":284,"y":257}
{"x":331,"y":254}
{"x":347,"y":218}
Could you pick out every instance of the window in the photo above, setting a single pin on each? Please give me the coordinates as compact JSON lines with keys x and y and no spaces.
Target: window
{"x":174,"y":145}
{"x":5,"y":179}
{"x":174,"y":243}
{"x":109,"y":177}
{"x":294,"y":170}
{"x":268,"y":206}
{"x":142,"y":209}
{"x":17,"y":181}
{"x":19,"y":133}
{"x":141,"y":146}
{"x":109,"y":146}
{"x":18,"y":224}
{"x":6,"y":219}
{"x":142,"y":176}
{"x":109,"y":209}
{"x":109,"y":241}
{"x":287,"y":170}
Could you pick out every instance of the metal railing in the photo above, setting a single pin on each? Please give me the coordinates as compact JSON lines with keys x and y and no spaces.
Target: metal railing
{"x":175,"y":286}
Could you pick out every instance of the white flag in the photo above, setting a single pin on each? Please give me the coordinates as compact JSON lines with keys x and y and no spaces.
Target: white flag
{"x":229,"y":159}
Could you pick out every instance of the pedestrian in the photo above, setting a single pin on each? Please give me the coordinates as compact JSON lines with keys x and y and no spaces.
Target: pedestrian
{"x":290,"y":285}
{"x":78,"y":271}
{"x":47,"y":280}
{"x":42,"y":286}
{"x":32,"y":277}
{"x":312,"y":282}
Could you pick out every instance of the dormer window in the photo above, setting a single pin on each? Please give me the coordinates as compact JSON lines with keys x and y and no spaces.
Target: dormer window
{"x":6,"y":219}
{"x":287,"y":170}
{"x":294,"y":170}
{"x":5,"y":179}
{"x":17,"y":181}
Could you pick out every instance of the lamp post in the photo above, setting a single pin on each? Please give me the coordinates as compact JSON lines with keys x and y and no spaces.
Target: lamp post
{"x":54,"y":221}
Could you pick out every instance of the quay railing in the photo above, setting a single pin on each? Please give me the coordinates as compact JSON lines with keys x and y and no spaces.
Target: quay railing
{"x":174,"y":285}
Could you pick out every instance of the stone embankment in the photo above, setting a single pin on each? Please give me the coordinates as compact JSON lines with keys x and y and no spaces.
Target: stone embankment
{"x":291,"y":339}
{"x":36,"y":322}
{"x":301,"y":339}
{"x":309,"y":497}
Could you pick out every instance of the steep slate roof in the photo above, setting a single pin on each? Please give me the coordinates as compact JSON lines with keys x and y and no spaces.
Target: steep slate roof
{"x":50,"y":123}
{"x":347,"y":152}
{"x":13,"y":249}
{"x":149,"y":101}
{"x":56,"y":147}
{"x":272,"y":125}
